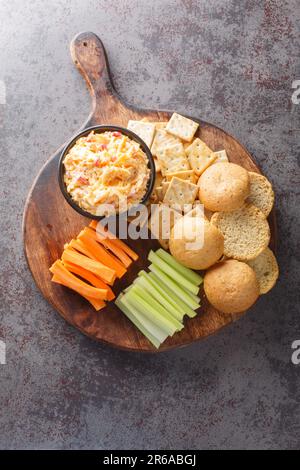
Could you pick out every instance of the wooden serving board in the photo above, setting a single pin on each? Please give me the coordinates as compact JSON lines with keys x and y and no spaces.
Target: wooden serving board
{"x":49,"y":221}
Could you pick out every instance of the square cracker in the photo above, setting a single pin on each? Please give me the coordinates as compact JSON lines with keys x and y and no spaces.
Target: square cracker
{"x":161,"y":190}
{"x":159,"y":193}
{"x":162,"y":140}
{"x":200,"y":156}
{"x":200,"y":164}
{"x":161,"y":223}
{"x":157,"y":184}
{"x":198,"y":147}
{"x":161,"y":125}
{"x":165,"y":186}
{"x":141,"y":219}
{"x":197,"y":210}
{"x":145,"y":130}
{"x":182,"y":127}
{"x":180,"y":193}
{"x":221,"y":156}
{"x":157,"y":165}
{"x":173,"y":159}
{"x":188,"y":175}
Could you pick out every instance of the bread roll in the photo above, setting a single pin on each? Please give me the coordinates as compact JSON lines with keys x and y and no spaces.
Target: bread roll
{"x":261,"y":193}
{"x":224,"y":187}
{"x":246,"y":232}
{"x":231,"y":286}
{"x":266,"y":269}
{"x":196,"y":243}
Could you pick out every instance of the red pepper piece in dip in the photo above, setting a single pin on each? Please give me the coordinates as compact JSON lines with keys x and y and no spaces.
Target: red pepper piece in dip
{"x":83,"y":180}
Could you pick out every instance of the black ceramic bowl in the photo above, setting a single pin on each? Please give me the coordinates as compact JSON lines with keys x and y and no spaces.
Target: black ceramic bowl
{"x":99,"y":130}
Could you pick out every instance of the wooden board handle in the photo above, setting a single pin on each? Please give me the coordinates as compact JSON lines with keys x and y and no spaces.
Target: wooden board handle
{"x":89,"y":56}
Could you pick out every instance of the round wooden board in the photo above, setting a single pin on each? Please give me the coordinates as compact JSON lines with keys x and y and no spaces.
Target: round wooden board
{"x":49,"y":221}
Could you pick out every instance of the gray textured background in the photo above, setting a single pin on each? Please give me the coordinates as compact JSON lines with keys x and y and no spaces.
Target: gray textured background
{"x":231,"y":63}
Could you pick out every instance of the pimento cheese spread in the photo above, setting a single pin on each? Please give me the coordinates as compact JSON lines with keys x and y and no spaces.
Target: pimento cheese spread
{"x":104,"y":170}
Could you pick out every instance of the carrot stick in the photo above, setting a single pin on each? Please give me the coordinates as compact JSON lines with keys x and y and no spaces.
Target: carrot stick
{"x":108,"y":243}
{"x":117,"y":251}
{"x":94,"y":224}
{"x":119,"y":243}
{"x":100,"y":230}
{"x":76,"y":284}
{"x":90,"y":277}
{"x":104,"y":272}
{"x":101,"y":254}
{"x":79,"y":246}
{"x":96,"y":303}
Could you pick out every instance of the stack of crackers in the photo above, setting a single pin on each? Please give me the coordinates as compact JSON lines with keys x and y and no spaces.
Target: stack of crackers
{"x":180,"y":158}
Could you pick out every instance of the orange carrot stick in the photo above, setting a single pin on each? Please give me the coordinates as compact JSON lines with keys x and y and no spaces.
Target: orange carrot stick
{"x":104,"y":272}
{"x":76,"y":284}
{"x":90,"y":277}
{"x":79,"y":246}
{"x":108,"y":243}
{"x":94,"y":224}
{"x":119,"y":243}
{"x":96,"y":303}
{"x":100,"y":230}
{"x":117,"y":251}
{"x":101,"y":254}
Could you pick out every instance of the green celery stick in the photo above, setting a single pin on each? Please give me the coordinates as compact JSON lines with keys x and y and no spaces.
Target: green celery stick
{"x":176,"y":288}
{"x":194,"y":297}
{"x":146,"y":284}
{"x":165,"y":290}
{"x":166,"y":293}
{"x":172,"y":273}
{"x":158,"y":333}
{"x":155,"y":304}
{"x":150,"y":312}
{"x":162,"y":291}
{"x":148,"y":324}
{"x":136,"y":320}
{"x":194,"y":277}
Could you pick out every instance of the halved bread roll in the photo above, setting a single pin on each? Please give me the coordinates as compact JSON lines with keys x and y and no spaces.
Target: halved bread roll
{"x":246,"y":232}
{"x":266,"y":269}
{"x":261,"y":193}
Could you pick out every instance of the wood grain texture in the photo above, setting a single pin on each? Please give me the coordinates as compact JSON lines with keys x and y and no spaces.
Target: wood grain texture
{"x":49,"y":221}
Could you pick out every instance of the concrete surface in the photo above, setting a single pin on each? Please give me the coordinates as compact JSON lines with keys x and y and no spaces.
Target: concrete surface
{"x":231,"y":63}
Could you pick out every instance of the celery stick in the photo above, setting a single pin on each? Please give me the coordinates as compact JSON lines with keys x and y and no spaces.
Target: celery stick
{"x":127,"y":289}
{"x":172,"y":273}
{"x":176,"y":288}
{"x":150,"y":312}
{"x":164,"y":290}
{"x":166,"y":293}
{"x":146,"y":284}
{"x":128,"y":311}
{"x":195,"y":278}
{"x":155,"y":304}
{"x":194,"y":297}
{"x":149,"y":325}
{"x":160,"y":335}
